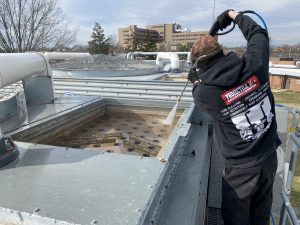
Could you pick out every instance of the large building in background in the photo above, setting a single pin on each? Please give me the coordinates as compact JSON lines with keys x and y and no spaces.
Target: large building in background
{"x":169,"y":37}
{"x":125,"y":34}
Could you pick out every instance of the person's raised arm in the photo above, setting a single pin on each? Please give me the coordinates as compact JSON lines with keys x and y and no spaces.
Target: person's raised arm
{"x":257,"y":54}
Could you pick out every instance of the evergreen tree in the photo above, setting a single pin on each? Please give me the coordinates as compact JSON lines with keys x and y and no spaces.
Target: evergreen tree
{"x":145,"y":45}
{"x":148,"y":44}
{"x":99,"y":44}
{"x":133,"y":44}
{"x":182,"y":48}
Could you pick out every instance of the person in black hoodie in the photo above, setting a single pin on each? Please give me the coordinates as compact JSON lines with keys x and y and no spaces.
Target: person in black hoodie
{"x":236,"y":93}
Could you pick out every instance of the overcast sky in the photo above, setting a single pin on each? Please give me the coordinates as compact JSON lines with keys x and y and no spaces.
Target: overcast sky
{"x":281,"y":16}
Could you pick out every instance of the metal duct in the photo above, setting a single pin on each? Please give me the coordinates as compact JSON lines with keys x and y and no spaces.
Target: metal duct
{"x":18,"y":66}
{"x":172,"y":56}
{"x":130,"y":55}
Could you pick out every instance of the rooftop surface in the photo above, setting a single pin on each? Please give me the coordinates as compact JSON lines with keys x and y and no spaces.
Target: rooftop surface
{"x":79,"y":186}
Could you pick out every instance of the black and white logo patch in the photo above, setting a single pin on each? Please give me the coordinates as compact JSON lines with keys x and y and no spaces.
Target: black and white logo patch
{"x":255,"y":121}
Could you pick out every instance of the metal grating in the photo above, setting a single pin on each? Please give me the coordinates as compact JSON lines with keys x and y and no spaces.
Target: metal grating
{"x":10,"y":90}
{"x":214,"y":217}
{"x":141,"y":132}
{"x":102,"y":62}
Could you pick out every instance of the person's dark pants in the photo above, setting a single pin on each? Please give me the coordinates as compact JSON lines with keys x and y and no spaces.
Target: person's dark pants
{"x":247,"y":193}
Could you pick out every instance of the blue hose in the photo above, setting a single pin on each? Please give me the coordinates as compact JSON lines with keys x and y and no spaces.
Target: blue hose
{"x":259,"y":16}
{"x":272,"y":218}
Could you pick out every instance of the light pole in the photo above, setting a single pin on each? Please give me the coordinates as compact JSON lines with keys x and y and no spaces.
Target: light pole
{"x":214,"y":8}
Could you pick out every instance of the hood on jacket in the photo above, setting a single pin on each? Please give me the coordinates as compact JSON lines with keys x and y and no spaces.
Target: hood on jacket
{"x":223,"y":72}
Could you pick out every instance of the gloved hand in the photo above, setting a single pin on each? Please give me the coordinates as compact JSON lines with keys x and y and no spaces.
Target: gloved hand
{"x":224,"y":19}
{"x":192,"y":76}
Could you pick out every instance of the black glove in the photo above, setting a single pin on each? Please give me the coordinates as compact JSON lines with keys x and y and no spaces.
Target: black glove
{"x":193,"y":76}
{"x":224,"y":19}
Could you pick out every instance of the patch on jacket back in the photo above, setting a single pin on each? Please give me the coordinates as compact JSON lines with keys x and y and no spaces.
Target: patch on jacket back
{"x":237,"y":92}
{"x":255,"y":121}
{"x":252,"y":115}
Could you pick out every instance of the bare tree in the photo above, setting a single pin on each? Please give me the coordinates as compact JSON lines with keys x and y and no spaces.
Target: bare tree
{"x":27,"y":25}
{"x":113,"y":42}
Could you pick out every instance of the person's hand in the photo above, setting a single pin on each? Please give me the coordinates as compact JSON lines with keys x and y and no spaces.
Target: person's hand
{"x":224,"y":19}
{"x":192,"y":76}
{"x":232,"y":14}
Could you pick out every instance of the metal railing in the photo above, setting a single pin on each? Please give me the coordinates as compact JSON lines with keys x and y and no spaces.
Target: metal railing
{"x":288,"y":213}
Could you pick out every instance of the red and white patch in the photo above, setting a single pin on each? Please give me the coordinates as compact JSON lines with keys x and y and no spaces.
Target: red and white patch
{"x":237,"y":92}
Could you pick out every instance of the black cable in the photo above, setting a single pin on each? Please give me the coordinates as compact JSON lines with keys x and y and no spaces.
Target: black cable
{"x":215,"y":27}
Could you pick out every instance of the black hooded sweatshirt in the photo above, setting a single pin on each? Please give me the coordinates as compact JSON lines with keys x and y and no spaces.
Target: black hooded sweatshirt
{"x":236,"y":93}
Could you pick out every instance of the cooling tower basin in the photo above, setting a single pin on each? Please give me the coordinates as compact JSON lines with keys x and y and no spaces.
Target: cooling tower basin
{"x":124,"y":130}
{"x":87,"y":160}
